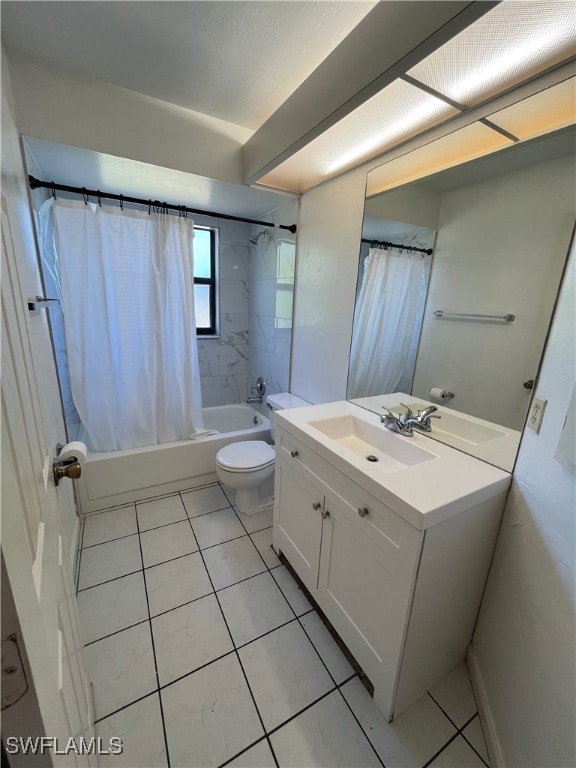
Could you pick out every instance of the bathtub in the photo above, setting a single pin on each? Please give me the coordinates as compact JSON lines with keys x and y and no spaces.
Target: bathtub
{"x":120,"y":477}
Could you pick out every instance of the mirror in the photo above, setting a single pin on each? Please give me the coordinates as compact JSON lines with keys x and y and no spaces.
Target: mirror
{"x":465,"y":327}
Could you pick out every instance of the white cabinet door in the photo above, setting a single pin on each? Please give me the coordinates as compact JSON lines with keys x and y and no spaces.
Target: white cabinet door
{"x":365,"y":592}
{"x":298,"y":520}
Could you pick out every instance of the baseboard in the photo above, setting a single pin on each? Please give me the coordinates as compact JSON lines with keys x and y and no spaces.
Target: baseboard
{"x":484,"y":711}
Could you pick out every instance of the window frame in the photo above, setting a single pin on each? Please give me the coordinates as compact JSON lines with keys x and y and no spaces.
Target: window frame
{"x":212,"y":282}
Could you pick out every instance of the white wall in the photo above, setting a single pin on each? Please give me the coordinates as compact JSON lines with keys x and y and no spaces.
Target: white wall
{"x":58,"y":105}
{"x":329,"y":232}
{"x":524,"y":643}
{"x":501,"y":247}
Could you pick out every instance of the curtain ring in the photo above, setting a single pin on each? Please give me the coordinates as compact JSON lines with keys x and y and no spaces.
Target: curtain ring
{"x":53,"y":185}
{"x":85,"y":195}
{"x":149,"y":207}
{"x":99,"y":198}
{"x":121,"y":202}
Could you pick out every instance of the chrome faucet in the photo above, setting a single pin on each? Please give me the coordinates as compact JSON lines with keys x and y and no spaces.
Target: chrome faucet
{"x":395,"y":423}
{"x":406,"y":423}
{"x":422,"y":419}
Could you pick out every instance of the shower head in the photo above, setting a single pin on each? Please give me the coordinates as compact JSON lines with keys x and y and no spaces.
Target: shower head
{"x":263,"y":233}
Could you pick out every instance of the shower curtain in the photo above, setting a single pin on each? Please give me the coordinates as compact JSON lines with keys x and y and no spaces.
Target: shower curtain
{"x":127,"y":293}
{"x":387,"y":322}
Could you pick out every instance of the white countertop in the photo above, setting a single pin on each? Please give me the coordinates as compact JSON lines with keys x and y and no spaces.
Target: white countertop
{"x":423,"y":494}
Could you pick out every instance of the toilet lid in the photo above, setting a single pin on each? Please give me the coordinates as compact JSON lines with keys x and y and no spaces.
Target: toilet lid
{"x":246,"y":455}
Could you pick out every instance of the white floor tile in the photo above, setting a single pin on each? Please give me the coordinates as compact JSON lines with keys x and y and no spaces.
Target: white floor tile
{"x":454,"y":694}
{"x":140,"y":728}
{"x":204,"y":500}
{"x":167,"y":542}
{"x":233,"y":561}
{"x":112,"y":606}
{"x":210,"y":715}
{"x":458,"y":754}
{"x":152,"y":514}
{"x":176,"y":582}
{"x":189,"y":637}
{"x":258,"y":756}
{"x":108,"y":561}
{"x":257,"y":521}
{"x":325,"y":735}
{"x":217,"y":527}
{"x":411,"y":739}
{"x":284,"y":672}
{"x":289,"y":586}
{"x":109,"y":525}
{"x":338,"y":665}
{"x":473,"y":734}
{"x":253,"y":607}
{"x":263,"y":543}
{"x":121,"y":667}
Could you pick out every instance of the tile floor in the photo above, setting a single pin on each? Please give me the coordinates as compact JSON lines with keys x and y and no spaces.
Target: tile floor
{"x":203,"y":651}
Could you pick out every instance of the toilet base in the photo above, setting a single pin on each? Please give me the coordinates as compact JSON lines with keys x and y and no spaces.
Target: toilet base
{"x":252,"y":500}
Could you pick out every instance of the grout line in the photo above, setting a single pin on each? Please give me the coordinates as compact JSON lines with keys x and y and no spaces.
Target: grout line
{"x":435,"y":755}
{"x":467,"y":740}
{"x":238,"y":656}
{"x":125,"y":706}
{"x":116,"y":632}
{"x":154,"y":648}
{"x":441,"y":708}
{"x":116,"y":538}
{"x":100,"y":583}
{"x":197,"y":669}
{"x":243,"y":752}
{"x":276,"y":728}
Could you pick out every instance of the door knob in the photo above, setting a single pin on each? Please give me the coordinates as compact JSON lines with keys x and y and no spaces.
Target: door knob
{"x":363,"y":511}
{"x":66,"y":468}
{"x":325,"y":514}
{"x":316,"y":505}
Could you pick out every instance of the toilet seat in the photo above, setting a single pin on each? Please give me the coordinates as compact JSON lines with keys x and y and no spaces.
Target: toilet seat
{"x":246,"y":456}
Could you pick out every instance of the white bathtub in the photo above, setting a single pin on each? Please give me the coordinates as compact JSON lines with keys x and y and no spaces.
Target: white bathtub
{"x":110,"y":479}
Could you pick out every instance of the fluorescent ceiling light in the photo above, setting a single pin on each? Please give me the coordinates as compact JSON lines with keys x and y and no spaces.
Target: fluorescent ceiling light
{"x":544,"y":112}
{"x":398,"y":112}
{"x":458,"y":147}
{"x":511,"y":43}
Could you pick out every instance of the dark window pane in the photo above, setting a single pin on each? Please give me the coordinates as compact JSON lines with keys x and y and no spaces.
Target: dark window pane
{"x":202,"y":253}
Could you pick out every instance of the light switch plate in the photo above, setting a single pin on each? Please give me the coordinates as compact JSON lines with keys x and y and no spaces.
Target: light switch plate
{"x":537,"y":413}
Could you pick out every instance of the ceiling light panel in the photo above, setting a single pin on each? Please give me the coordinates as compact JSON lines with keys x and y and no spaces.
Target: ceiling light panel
{"x":545,"y":111}
{"x":511,"y":43}
{"x":397,"y":113}
{"x":458,"y":147}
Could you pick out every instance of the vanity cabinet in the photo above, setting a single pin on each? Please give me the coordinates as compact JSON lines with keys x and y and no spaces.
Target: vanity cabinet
{"x":403,"y":600}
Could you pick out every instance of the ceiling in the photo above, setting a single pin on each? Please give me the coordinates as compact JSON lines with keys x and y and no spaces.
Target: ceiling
{"x":204,"y":56}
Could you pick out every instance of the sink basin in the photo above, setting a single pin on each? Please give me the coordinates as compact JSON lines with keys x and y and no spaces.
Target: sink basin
{"x":451,"y":425}
{"x":377,"y":445}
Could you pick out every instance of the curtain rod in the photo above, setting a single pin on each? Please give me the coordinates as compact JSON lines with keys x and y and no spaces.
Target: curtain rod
{"x":37,"y":184}
{"x":384,"y":244}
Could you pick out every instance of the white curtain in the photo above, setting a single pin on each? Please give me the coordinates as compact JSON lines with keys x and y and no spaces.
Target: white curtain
{"x":128,"y":300}
{"x":387,"y":322}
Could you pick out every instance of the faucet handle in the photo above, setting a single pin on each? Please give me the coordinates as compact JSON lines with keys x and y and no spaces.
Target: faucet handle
{"x":408,"y":415}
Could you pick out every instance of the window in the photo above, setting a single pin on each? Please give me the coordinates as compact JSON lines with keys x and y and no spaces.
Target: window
{"x":205,"y":280}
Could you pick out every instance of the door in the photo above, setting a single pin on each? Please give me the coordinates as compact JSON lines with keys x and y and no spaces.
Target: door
{"x":37,"y":522}
{"x":298,"y":526}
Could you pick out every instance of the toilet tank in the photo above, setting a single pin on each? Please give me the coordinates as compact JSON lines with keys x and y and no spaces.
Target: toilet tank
{"x":280,"y":402}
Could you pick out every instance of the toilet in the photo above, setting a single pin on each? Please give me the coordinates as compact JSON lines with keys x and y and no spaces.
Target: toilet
{"x":248,"y":466}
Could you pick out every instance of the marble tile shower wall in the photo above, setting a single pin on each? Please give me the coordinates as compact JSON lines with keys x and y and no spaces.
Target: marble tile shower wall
{"x":224,"y":360}
{"x":272,"y":264}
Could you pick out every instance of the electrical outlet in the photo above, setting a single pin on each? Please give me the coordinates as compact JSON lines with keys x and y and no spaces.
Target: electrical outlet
{"x":537,"y":413}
